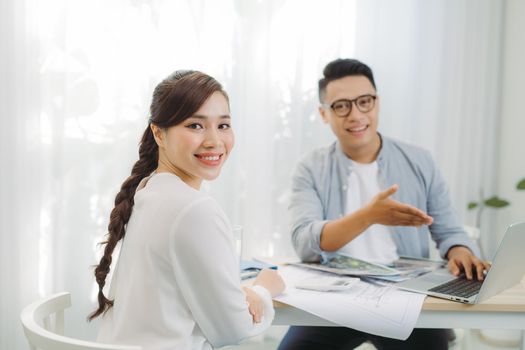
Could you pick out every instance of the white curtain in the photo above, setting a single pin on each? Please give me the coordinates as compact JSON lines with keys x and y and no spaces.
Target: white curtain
{"x":77,"y":77}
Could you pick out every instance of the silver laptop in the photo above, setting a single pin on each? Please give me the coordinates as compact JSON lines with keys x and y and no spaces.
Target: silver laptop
{"x":508,"y":268}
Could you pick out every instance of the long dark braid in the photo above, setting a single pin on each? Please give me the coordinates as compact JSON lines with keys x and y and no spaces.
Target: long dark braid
{"x":175,"y":99}
{"x":119,"y":217}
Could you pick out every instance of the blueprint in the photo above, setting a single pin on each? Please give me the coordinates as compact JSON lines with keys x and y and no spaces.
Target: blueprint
{"x":377,"y":309}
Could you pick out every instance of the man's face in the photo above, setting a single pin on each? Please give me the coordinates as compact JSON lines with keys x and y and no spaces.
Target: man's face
{"x":357,"y":132}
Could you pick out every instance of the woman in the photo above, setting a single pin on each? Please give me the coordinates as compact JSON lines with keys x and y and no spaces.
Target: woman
{"x":176,"y":284}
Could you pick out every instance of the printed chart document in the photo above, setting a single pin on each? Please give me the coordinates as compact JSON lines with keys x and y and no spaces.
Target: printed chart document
{"x":400,"y":270}
{"x":367,"y":307}
{"x":342,"y":264}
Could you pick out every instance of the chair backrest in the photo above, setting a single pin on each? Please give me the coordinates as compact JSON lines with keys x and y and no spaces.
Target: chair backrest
{"x":43,"y":323}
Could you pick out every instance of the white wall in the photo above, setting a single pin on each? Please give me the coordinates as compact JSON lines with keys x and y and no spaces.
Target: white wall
{"x":512,"y":132}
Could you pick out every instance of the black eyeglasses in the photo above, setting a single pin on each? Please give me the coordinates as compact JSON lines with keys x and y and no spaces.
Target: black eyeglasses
{"x":343,"y":108}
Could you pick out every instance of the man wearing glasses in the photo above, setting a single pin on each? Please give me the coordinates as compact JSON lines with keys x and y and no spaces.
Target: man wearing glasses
{"x":368,"y":196}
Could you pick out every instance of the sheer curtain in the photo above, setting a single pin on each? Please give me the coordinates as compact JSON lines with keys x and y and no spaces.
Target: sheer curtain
{"x":77,"y":78}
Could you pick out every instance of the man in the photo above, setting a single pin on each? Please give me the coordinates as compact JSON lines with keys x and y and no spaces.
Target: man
{"x":367,"y":195}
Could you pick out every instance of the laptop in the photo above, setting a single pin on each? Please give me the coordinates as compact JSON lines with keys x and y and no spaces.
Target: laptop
{"x":508,"y":268}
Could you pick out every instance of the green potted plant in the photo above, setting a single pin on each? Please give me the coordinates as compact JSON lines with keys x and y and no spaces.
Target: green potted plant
{"x":491,"y":202}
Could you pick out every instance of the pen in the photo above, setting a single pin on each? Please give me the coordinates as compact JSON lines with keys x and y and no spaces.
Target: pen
{"x":249,"y":274}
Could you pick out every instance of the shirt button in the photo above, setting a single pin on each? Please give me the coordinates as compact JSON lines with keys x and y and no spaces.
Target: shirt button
{"x":344,"y":187}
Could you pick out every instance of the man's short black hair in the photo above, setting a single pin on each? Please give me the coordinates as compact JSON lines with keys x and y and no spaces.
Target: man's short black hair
{"x":341,"y":68}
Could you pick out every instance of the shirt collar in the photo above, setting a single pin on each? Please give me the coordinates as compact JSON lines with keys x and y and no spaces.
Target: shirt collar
{"x":348,"y":163}
{"x":383,"y":151}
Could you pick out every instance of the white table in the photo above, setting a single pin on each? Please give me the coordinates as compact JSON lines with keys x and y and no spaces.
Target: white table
{"x":503,"y":311}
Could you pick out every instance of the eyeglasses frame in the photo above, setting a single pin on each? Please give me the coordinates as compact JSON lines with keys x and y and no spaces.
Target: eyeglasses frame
{"x":352,"y":102}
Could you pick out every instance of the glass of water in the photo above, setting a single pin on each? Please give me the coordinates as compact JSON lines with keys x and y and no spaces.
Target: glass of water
{"x":237,"y":240}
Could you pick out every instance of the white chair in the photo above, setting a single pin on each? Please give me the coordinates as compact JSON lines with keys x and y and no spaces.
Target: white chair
{"x":43,"y":323}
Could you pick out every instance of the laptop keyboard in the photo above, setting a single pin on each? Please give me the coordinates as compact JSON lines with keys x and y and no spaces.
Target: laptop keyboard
{"x":461,"y":287}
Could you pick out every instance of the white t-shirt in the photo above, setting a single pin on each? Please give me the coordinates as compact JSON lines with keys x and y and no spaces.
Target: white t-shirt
{"x":374,"y":244}
{"x":176,"y":284}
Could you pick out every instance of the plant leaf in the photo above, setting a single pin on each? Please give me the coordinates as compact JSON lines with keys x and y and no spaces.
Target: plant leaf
{"x":496,"y":202}
{"x":521,"y":185}
{"x":472,"y":205}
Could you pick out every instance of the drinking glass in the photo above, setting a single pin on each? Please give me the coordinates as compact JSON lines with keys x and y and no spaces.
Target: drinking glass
{"x":237,"y":240}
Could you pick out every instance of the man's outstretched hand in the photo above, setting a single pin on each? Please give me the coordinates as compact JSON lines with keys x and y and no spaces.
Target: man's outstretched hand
{"x":380,"y":210}
{"x":385,"y":211}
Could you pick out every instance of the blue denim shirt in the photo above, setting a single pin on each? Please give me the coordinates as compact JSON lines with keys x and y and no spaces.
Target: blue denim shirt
{"x":319,"y":192}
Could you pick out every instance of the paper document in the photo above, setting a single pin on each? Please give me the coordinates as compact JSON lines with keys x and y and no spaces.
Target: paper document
{"x":342,"y":264}
{"x":402,"y":269}
{"x":380,"y":310}
{"x":411,"y":267}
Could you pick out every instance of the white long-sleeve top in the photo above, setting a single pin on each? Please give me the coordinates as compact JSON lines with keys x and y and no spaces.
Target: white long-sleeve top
{"x":176,"y":283}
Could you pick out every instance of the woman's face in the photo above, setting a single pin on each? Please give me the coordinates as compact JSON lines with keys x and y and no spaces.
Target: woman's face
{"x":197,"y":148}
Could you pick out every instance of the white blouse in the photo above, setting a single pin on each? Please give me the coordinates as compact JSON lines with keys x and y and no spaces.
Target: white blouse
{"x":176,"y":284}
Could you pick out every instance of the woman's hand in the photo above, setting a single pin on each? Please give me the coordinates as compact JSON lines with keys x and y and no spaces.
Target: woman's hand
{"x":255,"y":304}
{"x":270,"y":280}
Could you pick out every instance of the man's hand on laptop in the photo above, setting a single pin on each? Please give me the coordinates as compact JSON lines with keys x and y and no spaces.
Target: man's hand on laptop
{"x":461,"y":259}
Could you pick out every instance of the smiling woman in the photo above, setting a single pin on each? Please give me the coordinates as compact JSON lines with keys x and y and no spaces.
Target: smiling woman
{"x":177,"y":282}
{"x":197,"y":148}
